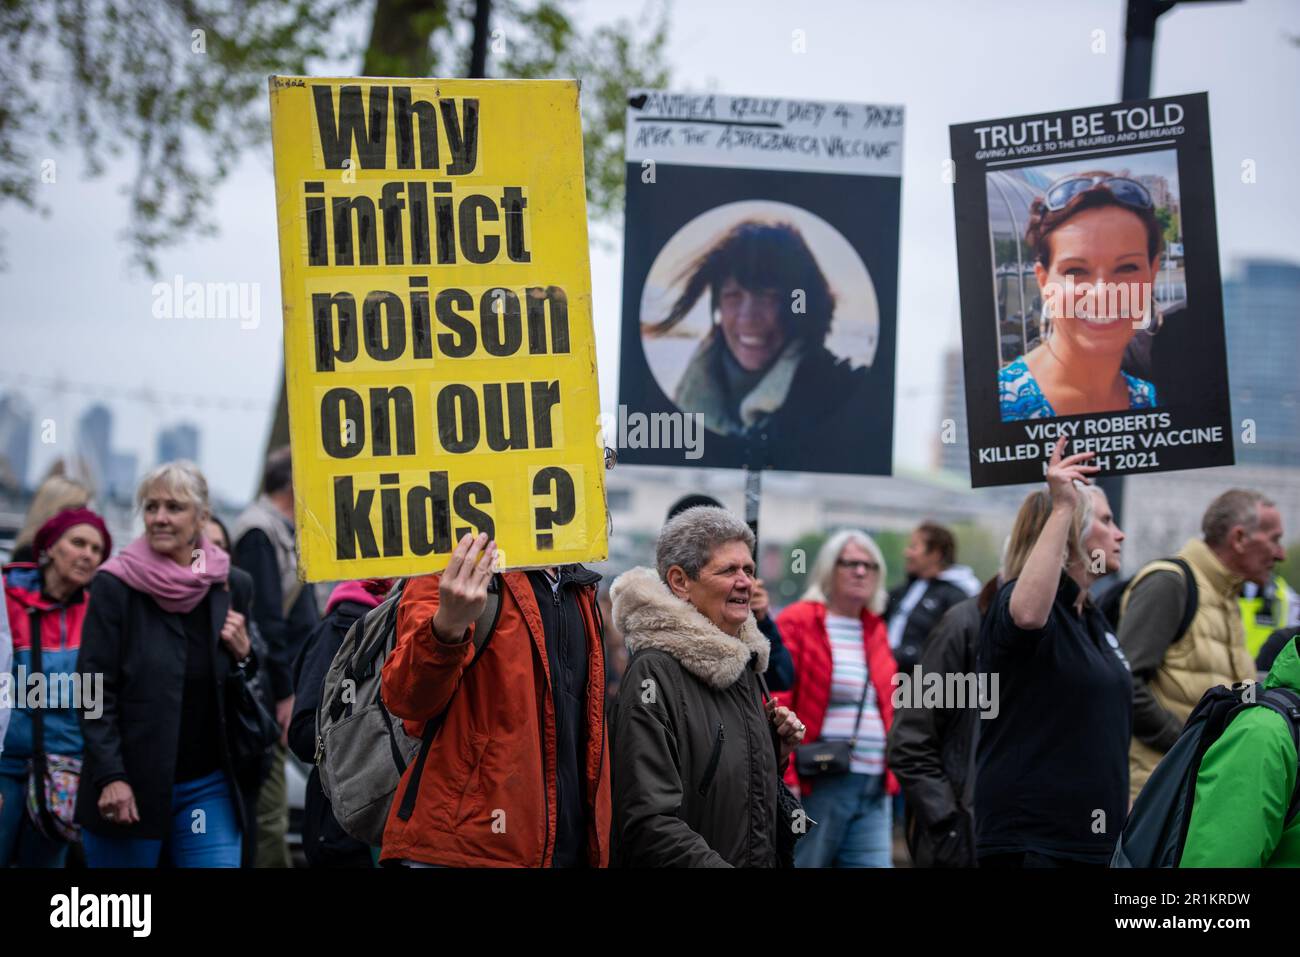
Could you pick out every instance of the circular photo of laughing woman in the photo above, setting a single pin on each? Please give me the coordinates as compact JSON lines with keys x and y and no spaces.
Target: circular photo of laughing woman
{"x":757,"y":312}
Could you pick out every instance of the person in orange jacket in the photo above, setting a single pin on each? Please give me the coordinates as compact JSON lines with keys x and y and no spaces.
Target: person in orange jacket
{"x":517,"y":774}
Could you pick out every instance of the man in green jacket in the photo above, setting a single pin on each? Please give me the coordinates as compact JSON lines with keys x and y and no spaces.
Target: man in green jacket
{"x":1244,"y":787}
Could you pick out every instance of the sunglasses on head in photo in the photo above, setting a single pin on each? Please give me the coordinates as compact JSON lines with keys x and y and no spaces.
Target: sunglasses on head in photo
{"x":1128,"y":191}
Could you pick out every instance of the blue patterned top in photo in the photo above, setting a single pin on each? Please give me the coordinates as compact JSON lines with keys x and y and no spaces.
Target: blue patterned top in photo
{"x":1020,"y":397}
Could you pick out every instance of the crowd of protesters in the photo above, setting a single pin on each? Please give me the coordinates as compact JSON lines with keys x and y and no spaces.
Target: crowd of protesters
{"x":673,"y":718}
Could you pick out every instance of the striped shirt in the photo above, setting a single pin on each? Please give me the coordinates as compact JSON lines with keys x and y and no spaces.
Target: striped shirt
{"x":848,"y":674}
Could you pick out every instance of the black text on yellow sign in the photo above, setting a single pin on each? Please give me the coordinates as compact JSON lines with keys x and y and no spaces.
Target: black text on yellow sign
{"x":438,"y":336}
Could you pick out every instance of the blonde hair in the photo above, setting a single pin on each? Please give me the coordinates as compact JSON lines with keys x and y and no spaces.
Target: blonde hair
{"x":823,"y":571}
{"x":182,"y":480}
{"x":58,"y":493}
{"x":1032,"y":517}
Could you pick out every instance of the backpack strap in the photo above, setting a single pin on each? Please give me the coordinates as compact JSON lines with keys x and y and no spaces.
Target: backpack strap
{"x":364,"y":658}
{"x":1212,"y":713}
{"x":484,"y":626}
{"x":486,"y":623}
{"x":1118,"y":607}
{"x":37,"y":715}
{"x":600,"y":617}
{"x":1193,"y":596}
{"x":1286,"y":702}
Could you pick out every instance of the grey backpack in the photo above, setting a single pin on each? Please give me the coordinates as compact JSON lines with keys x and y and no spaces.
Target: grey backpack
{"x":362,"y":751}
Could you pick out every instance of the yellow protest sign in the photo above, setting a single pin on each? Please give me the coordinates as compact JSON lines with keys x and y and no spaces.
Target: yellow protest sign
{"x":440,"y":360}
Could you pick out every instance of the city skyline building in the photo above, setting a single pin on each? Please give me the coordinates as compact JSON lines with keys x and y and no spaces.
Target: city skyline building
{"x":179,"y":441}
{"x":112,"y":472}
{"x":94,"y":442}
{"x":953,"y":456}
{"x":1260,"y":299}
{"x":16,"y":426}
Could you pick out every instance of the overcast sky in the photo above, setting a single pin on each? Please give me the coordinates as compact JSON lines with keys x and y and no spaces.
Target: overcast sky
{"x":71,"y":310}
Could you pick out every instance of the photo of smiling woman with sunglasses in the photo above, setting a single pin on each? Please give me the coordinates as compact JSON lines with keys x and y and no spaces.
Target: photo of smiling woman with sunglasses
{"x":1096,"y":241}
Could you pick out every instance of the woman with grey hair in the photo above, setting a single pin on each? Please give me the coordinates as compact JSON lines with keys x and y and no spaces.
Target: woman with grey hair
{"x":167,"y":628}
{"x":698,"y":745}
{"x":843,"y":670}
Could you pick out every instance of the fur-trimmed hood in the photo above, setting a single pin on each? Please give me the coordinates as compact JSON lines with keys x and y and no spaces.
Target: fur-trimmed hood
{"x":650,"y":616}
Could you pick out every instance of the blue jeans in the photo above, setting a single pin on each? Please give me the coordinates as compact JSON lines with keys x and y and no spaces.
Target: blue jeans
{"x":21,"y":844}
{"x":853,"y":828}
{"x":209,"y":839}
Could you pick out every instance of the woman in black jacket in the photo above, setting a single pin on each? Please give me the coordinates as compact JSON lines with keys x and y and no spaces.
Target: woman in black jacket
{"x":167,"y":629}
{"x":698,"y":748}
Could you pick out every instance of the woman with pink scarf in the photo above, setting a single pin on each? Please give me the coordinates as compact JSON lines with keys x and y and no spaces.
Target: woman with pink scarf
{"x":167,"y":629}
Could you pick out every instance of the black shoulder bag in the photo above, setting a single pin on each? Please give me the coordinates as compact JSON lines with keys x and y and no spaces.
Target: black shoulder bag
{"x":827,"y":758}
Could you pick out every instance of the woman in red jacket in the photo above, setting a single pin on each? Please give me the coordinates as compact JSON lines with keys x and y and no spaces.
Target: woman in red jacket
{"x":843,"y":672}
